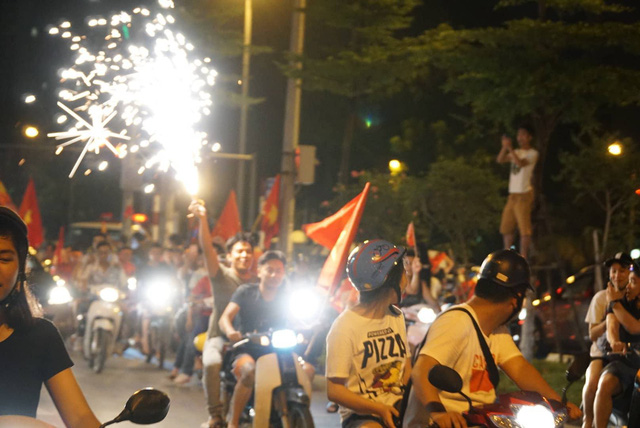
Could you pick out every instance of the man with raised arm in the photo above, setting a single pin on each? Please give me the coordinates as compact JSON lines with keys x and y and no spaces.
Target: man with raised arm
{"x":224,"y":282}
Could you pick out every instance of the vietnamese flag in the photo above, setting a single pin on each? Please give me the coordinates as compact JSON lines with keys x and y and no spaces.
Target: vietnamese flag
{"x":348,"y":220}
{"x":411,"y":236}
{"x":229,"y":221}
{"x":270,"y":224}
{"x":5,"y":199}
{"x":327,"y":231}
{"x":30,"y":213}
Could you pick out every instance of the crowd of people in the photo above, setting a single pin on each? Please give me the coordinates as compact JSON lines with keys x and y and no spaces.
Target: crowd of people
{"x":229,"y":291}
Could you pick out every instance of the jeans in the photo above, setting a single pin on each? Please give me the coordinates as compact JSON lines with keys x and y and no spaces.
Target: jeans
{"x":212,"y":363}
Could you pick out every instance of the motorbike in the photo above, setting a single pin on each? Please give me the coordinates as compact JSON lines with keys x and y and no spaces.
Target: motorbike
{"x":102,"y":325}
{"x":520,"y":409}
{"x":159,"y":307}
{"x":144,"y":407}
{"x":58,"y":308}
{"x":282,"y":391}
{"x":52,"y":292}
{"x":626,"y":409}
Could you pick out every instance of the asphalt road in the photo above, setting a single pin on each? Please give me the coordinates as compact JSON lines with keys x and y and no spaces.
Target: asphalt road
{"x":108,"y":391}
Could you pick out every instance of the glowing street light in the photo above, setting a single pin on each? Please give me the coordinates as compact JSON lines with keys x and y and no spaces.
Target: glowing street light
{"x":31,"y":132}
{"x":395,"y":166}
{"x":615,"y":149}
{"x":29,"y":99}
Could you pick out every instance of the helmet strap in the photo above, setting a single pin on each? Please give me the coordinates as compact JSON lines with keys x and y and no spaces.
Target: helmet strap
{"x":11,"y":297}
{"x":519,"y":301}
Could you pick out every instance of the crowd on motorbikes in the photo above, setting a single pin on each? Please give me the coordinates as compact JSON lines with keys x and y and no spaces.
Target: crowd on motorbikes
{"x":258,"y":339}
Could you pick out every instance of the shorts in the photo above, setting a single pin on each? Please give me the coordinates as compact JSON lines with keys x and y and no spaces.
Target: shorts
{"x":625,"y":374}
{"x":355,"y":420}
{"x":517,"y":211}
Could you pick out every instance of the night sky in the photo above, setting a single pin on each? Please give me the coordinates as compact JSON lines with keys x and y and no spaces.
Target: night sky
{"x":31,"y":58}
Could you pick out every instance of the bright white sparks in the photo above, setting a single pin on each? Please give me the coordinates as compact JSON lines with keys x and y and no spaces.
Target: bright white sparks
{"x":144,"y":82}
{"x":95,"y":135}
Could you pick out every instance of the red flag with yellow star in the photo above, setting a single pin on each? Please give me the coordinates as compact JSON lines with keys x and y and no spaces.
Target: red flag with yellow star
{"x":334,"y":267}
{"x":30,"y":213}
{"x":270,"y":224}
{"x":229,"y":221}
{"x":5,"y":199}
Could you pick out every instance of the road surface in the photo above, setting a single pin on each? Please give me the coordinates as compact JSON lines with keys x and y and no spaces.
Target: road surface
{"x":108,"y":391}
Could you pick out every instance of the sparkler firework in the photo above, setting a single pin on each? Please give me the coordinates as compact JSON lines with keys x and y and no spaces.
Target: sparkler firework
{"x":136,"y":85}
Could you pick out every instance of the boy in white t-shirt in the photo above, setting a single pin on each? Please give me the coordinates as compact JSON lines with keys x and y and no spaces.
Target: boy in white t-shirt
{"x":368,"y":362}
{"x":452,"y":341}
{"x":517,"y":210}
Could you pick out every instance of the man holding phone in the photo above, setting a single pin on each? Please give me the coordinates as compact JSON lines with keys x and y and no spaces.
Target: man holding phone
{"x":517,"y":211}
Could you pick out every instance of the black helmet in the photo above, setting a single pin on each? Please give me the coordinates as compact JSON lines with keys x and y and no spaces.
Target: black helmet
{"x":506,"y":268}
{"x":622,"y":258}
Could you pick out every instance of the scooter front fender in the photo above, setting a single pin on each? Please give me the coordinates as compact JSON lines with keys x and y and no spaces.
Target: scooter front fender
{"x":268,"y":378}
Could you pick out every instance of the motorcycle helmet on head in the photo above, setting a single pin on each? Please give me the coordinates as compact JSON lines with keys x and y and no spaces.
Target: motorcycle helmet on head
{"x":506,"y":268}
{"x":369,"y":264}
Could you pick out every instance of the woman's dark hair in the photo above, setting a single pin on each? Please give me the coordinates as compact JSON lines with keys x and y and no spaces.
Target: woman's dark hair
{"x":393,"y":280}
{"x":21,"y":309}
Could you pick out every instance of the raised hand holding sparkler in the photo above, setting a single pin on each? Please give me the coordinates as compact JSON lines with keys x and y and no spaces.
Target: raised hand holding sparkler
{"x":197,"y":209}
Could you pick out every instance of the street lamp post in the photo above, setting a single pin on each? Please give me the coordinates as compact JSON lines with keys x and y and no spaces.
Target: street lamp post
{"x":244,"y":108}
{"x":291,"y":133}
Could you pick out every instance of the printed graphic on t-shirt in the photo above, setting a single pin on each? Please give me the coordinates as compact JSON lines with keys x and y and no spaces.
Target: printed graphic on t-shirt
{"x":382,"y":363}
{"x":480,"y":380}
{"x":515,"y":169}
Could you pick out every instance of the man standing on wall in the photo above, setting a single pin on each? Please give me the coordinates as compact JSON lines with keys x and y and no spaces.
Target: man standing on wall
{"x":517,"y":211}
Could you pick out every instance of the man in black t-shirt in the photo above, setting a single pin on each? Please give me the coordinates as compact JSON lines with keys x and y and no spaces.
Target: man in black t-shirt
{"x":254,"y":307}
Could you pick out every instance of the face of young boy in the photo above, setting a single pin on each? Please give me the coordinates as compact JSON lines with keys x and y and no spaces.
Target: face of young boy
{"x":619,"y":276}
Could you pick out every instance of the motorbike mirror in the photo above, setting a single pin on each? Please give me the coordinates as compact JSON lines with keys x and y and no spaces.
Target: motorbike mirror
{"x":445,"y":378}
{"x":578,"y":367}
{"x":146,"y":406}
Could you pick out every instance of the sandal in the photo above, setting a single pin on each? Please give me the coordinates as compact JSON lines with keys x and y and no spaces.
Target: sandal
{"x":332,"y":407}
{"x":213,"y":423}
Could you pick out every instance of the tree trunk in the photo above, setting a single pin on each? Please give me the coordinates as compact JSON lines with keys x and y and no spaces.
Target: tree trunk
{"x":607,"y":225}
{"x":347,"y":140}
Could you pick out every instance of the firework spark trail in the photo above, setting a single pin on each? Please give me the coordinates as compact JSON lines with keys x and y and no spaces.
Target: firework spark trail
{"x":143,"y":79}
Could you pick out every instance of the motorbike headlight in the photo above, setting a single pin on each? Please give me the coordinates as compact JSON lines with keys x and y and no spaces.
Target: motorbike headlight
{"x":284,"y":339}
{"x":426,"y":315}
{"x":109,"y":294}
{"x":59,"y":295}
{"x":535,"y":417}
{"x":305,"y":304}
{"x":160,"y":294}
{"x":264,"y":341}
{"x":132,"y":283}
